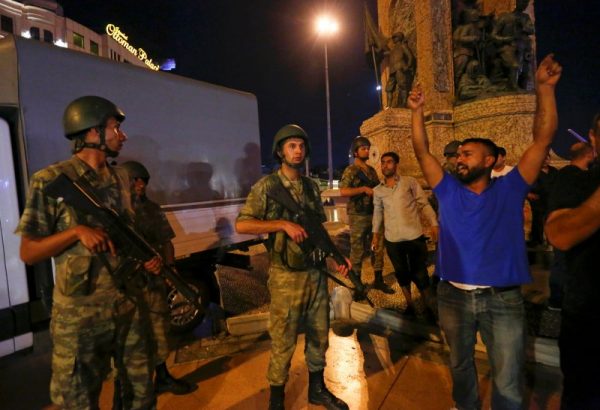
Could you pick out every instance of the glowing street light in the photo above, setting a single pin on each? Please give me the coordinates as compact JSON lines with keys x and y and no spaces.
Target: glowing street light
{"x":326,"y":27}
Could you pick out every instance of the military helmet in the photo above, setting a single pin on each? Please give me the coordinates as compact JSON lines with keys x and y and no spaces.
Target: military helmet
{"x":451,"y":148}
{"x":289,"y":131}
{"x":89,"y":112}
{"x":136,"y":170}
{"x":358,"y":142}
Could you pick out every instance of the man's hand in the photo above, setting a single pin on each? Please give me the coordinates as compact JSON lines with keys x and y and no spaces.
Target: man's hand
{"x":95,"y":239}
{"x":548,"y":72}
{"x":154,"y":265}
{"x":416,"y":98}
{"x":294,"y":231}
{"x":374,"y":242}
{"x":367,"y":190}
{"x":343,"y":269}
{"x":435,"y":233}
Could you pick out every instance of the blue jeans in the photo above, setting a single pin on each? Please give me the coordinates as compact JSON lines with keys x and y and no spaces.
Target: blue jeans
{"x":500,"y":318}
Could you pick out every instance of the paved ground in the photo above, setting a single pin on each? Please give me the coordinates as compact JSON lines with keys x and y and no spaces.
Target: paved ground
{"x":368,"y":367}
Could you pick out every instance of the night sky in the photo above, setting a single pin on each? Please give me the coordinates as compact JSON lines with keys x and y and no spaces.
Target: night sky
{"x":269,"y":48}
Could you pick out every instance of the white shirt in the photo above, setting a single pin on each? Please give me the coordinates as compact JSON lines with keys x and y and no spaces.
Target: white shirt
{"x":399,"y":207}
{"x":504,"y":171}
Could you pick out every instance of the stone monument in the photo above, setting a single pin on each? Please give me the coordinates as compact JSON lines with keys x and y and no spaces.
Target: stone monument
{"x":505,"y":116}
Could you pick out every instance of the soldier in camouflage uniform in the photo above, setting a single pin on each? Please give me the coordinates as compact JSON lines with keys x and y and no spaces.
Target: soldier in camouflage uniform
{"x":151,"y":223}
{"x":92,"y":319}
{"x":297,"y":285}
{"x":451,"y":156}
{"x":358,"y":181}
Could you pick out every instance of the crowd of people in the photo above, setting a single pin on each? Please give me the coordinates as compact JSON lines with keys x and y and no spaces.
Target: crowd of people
{"x":102,"y":324}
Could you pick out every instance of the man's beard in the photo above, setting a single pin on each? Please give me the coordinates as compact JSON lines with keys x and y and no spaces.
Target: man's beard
{"x":473,"y":174}
{"x":388,"y":173}
{"x":363,"y":158}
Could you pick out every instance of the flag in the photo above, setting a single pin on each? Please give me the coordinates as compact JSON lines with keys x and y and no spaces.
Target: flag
{"x":375,"y":42}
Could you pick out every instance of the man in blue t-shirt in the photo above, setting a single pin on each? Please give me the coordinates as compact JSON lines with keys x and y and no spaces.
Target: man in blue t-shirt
{"x":481,"y":255}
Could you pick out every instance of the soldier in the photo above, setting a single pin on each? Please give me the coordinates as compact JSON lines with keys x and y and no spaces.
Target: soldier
{"x":450,"y":156}
{"x":297,"y":285}
{"x":92,"y":318}
{"x":152,"y":224}
{"x":358,"y":181}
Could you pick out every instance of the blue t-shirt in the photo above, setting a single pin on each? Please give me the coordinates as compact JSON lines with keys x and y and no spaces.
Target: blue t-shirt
{"x":482,"y":241}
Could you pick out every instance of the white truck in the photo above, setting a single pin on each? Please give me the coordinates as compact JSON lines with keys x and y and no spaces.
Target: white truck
{"x":199,"y":141}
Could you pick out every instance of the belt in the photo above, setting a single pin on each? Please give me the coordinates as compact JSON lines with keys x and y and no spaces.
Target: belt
{"x":492,"y":290}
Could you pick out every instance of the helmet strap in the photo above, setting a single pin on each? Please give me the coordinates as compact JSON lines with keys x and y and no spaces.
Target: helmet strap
{"x":79,"y":143}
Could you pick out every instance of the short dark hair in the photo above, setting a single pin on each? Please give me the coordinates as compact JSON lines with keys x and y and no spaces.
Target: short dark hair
{"x":579,"y":149}
{"x":393,"y":155}
{"x":502,"y":151}
{"x":492,"y":148}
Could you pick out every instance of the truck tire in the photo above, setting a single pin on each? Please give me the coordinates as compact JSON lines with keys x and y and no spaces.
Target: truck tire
{"x":184,"y":315}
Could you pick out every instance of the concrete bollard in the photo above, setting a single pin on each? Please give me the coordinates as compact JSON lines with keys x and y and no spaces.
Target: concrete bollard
{"x":341,"y":298}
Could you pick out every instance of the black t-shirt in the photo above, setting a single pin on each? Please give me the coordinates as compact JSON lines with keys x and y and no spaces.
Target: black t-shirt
{"x":582,"y":280}
{"x":542,"y":187}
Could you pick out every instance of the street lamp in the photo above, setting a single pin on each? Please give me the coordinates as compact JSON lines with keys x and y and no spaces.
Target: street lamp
{"x":326,"y":27}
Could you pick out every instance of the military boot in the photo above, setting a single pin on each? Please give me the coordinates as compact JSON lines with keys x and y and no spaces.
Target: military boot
{"x":318,"y":393}
{"x":277,"y":398}
{"x":380,"y":284}
{"x":166,"y":383}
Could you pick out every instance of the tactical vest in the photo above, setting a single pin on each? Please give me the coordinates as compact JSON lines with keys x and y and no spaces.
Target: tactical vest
{"x":282,"y":249}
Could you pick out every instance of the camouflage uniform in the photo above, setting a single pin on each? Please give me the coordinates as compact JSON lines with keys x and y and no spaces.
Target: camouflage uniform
{"x":92,"y":319}
{"x":152,"y":224}
{"x":298,"y":288}
{"x":360,"y":215}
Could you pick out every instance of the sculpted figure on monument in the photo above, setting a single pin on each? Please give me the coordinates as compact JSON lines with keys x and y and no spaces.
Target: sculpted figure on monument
{"x":466,"y":37}
{"x":473,"y":83}
{"x":511,"y":34}
{"x":402,"y":65}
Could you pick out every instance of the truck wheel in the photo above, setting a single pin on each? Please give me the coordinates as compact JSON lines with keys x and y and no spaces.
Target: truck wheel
{"x":184,"y":315}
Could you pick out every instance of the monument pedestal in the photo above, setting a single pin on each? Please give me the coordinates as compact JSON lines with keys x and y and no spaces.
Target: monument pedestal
{"x":507,"y":120}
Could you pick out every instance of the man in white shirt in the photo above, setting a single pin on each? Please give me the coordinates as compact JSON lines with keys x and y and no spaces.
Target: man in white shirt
{"x":398,"y":200}
{"x":500,"y":168}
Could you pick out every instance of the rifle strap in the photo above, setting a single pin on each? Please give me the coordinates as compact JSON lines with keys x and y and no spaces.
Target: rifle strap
{"x":361,"y":172}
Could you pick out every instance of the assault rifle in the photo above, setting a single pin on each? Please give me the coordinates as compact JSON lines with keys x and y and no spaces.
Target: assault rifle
{"x":80,"y":195}
{"x":317,"y":235}
{"x":366,"y":180}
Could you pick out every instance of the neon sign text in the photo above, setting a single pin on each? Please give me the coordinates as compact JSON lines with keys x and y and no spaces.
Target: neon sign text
{"x":121,"y":38}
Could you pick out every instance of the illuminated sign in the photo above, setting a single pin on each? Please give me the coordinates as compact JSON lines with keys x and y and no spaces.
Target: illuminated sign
{"x":120,"y":37}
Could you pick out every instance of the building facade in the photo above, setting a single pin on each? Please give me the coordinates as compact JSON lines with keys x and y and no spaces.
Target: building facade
{"x":43,"y":20}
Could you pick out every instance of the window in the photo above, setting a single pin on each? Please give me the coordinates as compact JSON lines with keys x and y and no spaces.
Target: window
{"x":94,"y":48}
{"x":78,"y":40}
{"x":35,"y":33}
{"x":6,"y":24}
{"x":48,"y":37}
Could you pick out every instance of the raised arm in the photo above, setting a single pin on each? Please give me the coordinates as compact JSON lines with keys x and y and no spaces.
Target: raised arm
{"x":545,"y":121}
{"x":566,"y":228}
{"x":432,"y":169}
